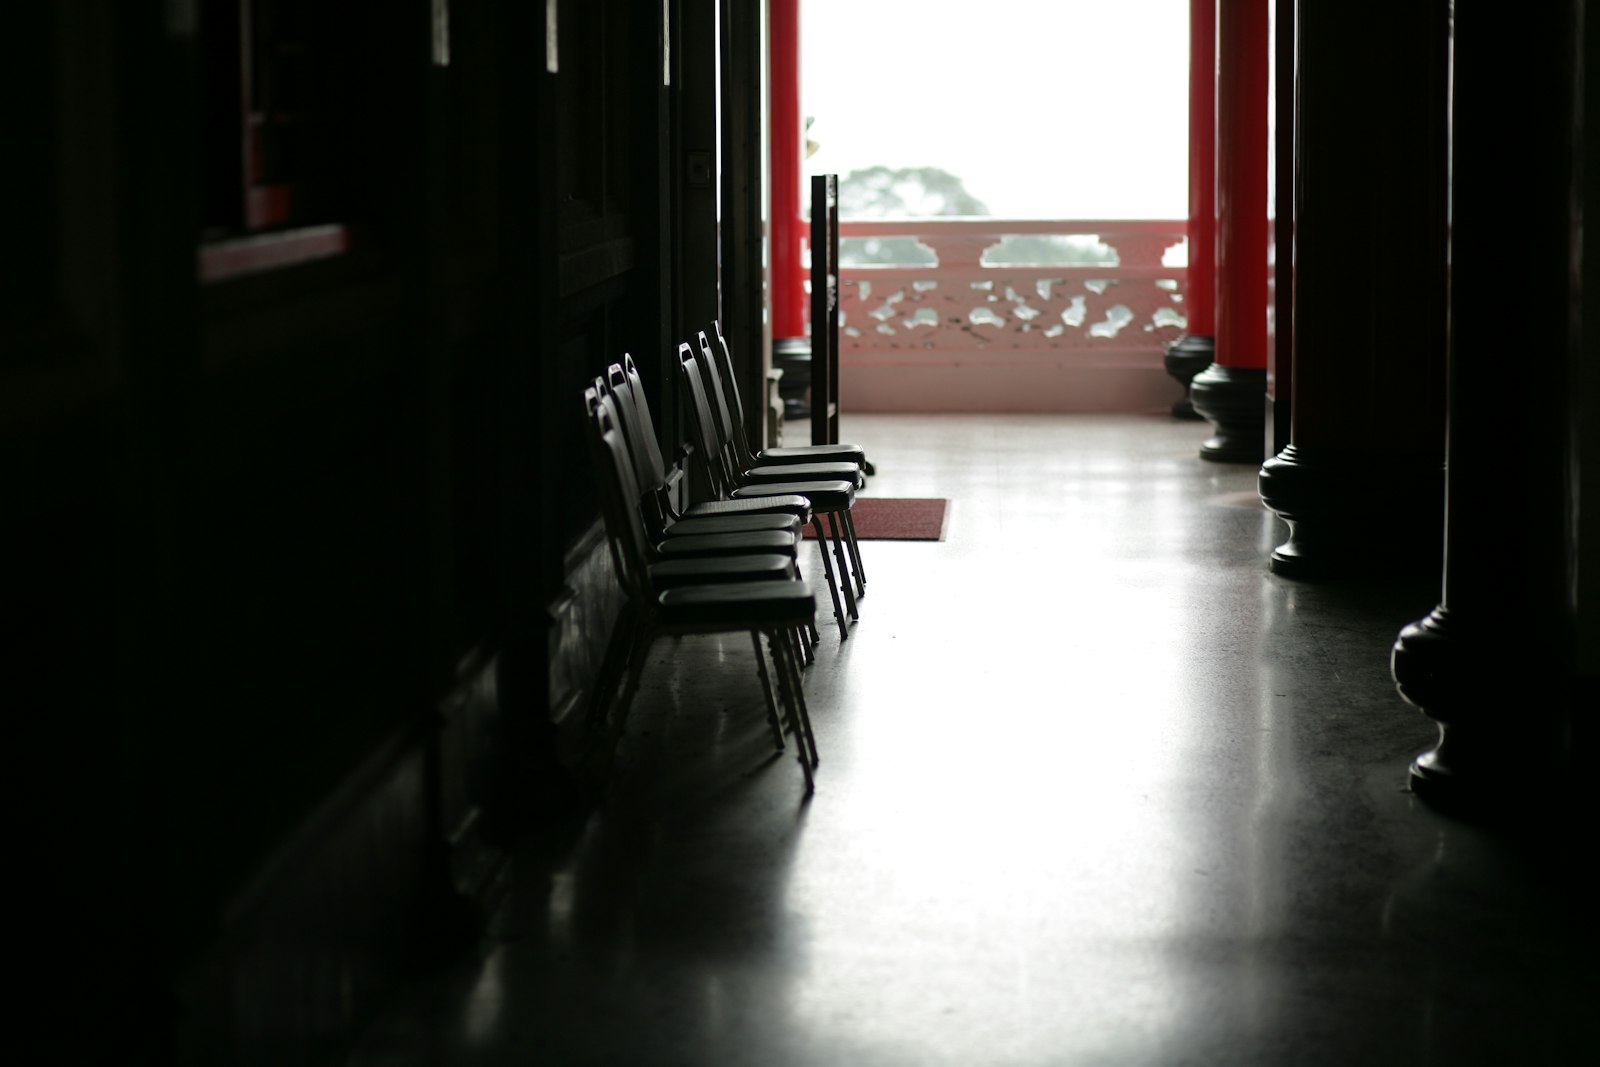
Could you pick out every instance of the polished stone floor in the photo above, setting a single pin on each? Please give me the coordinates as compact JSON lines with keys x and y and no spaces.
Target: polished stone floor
{"x":1095,"y":789}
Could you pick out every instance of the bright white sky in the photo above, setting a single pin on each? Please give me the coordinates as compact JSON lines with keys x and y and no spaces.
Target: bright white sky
{"x":1069,"y":109}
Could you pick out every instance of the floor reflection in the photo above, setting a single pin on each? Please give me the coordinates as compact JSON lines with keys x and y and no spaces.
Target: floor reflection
{"x":1096,"y":788}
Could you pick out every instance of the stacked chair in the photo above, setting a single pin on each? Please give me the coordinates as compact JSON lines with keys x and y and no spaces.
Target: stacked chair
{"x":829,"y":488}
{"x":735,"y":582}
{"x":716,"y":354}
{"x":724,"y":565}
{"x":703,"y":529}
{"x":769,"y":465}
{"x":649,"y":468}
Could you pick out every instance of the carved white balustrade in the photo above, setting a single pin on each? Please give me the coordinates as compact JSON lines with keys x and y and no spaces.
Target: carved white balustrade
{"x":1114,"y":304}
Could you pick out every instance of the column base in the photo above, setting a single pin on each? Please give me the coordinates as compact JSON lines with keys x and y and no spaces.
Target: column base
{"x":1356,"y":513}
{"x":792,"y":355}
{"x":1234,"y":400}
{"x":1502,"y":709}
{"x":1185,"y":358}
{"x":1277,"y":434}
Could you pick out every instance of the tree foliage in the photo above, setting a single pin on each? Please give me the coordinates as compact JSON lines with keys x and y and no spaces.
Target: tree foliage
{"x":932,"y":192}
{"x":899,"y":192}
{"x":905,"y":192}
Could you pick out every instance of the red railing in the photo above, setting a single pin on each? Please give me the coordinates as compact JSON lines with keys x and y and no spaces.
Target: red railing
{"x":1010,"y":291}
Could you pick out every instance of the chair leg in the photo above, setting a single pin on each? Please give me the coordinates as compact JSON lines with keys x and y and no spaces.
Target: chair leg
{"x":789,"y":677}
{"x":827,"y":568}
{"x":811,"y":627}
{"x":806,"y":738}
{"x":805,"y":716}
{"x":844,"y":567}
{"x":766,"y":691}
{"x":855,"y":552}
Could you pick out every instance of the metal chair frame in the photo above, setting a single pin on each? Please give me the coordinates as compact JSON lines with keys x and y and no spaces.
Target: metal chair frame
{"x":830,"y":497}
{"x":778,"y":610}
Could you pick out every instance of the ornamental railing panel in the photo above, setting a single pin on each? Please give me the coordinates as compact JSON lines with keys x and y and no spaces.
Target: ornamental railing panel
{"x":1083,"y":292}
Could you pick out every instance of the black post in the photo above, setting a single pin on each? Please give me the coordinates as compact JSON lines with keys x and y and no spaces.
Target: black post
{"x":1493,"y":663}
{"x":825,"y":309}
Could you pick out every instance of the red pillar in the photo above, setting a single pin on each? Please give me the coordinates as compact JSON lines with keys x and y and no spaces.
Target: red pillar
{"x":787,"y":159}
{"x":1241,"y":192}
{"x":1194,"y":351}
{"x":1232,"y":392}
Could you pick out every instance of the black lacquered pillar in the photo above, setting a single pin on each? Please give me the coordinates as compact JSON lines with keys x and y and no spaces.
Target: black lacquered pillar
{"x":1361,"y":482}
{"x":1493,"y":663}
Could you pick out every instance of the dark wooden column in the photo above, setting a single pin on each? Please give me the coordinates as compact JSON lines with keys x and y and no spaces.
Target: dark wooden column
{"x":694,"y":56}
{"x":695,"y":51}
{"x":1585,"y":386}
{"x":1231,"y":393}
{"x":1194,"y":351}
{"x":1492,"y":664}
{"x":744,"y":207}
{"x":1361,"y":481}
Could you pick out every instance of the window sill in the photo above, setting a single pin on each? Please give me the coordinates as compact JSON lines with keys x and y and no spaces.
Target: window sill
{"x":235,"y":257}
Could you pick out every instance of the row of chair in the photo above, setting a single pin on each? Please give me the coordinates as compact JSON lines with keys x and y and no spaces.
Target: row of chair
{"x":726,"y":564}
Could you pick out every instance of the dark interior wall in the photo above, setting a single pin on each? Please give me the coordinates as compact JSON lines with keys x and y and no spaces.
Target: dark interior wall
{"x":612,"y":221}
{"x":278,"y":547}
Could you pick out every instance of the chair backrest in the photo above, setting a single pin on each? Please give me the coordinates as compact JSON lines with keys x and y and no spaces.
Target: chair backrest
{"x":716,"y":396}
{"x":638,"y":431}
{"x":722,"y":358}
{"x":619,"y":493}
{"x":710,"y":448}
{"x":642,"y":404}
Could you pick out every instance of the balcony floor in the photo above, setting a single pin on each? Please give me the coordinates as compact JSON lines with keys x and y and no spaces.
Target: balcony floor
{"x":1095,"y":789}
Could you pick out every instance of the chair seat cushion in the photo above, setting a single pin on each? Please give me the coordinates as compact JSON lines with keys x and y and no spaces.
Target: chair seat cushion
{"x":824,"y":495}
{"x":790,"y":504}
{"x":672,"y":573}
{"x":781,"y":603}
{"x":788,"y":472}
{"x":715,"y":524}
{"x":730,"y":543}
{"x":813,"y":454}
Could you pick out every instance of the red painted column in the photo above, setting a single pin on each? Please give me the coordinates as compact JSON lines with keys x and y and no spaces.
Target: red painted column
{"x":786,"y":159}
{"x":1241,"y":193}
{"x":1194,"y":351}
{"x":1202,"y":285}
{"x":1232,"y":392}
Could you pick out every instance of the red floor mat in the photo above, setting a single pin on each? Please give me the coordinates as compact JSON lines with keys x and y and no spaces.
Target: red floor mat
{"x":890,"y":518}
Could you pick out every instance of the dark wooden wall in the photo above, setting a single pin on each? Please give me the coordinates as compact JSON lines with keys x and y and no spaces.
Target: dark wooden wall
{"x":284,"y":554}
